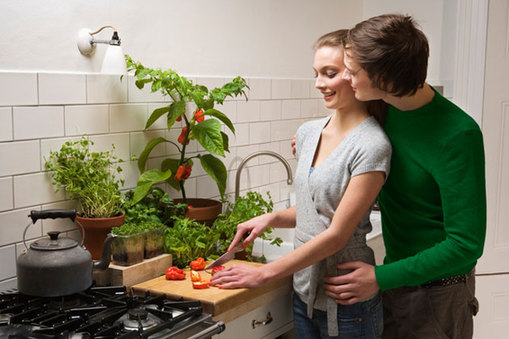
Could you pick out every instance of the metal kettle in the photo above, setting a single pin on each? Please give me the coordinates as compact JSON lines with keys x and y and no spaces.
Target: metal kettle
{"x":57,"y":266}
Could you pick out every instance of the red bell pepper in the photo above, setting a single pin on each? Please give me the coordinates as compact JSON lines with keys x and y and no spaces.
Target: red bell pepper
{"x":198,"y":264}
{"x":175,"y":273}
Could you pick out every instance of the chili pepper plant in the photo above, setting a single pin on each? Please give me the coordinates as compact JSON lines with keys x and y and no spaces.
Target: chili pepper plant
{"x":202,"y":125}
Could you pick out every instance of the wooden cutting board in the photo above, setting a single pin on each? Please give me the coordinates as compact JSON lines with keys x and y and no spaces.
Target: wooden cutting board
{"x":223,"y":304}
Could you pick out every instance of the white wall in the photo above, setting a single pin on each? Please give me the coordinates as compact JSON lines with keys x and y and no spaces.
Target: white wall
{"x":200,"y":37}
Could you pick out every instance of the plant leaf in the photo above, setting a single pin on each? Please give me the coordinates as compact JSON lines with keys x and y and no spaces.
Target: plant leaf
{"x":156,"y":114}
{"x":142,"y":160}
{"x":226,"y":144}
{"x":177,"y":108}
{"x":208,"y":134}
{"x":141,"y":83}
{"x":145,"y":182}
{"x":216,"y":169}
{"x":221,"y":116}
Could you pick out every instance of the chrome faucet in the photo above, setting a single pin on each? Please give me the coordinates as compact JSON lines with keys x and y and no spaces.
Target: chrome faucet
{"x":255,"y":154}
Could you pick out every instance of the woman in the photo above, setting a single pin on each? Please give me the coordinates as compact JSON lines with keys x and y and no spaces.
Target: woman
{"x":343,"y":161}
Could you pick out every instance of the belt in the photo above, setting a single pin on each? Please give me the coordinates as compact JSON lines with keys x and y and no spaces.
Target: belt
{"x":446,"y":281}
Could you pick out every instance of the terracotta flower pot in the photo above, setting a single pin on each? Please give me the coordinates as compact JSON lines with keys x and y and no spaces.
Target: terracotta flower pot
{"x":203,"y":210}
{"x":96,"y":230}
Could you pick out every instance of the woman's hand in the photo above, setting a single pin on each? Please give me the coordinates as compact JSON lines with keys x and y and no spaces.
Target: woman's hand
{"x":238,"y":276}
{"x":254,"y":227}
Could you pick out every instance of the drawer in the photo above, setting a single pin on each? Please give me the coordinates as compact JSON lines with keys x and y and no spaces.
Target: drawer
{"x":267,"y":321}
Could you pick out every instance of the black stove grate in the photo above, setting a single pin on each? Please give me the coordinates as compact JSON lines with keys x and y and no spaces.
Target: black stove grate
{"x":99,"y":312}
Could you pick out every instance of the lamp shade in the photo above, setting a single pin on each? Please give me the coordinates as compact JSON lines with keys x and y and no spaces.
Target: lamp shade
{"x":114,"y":62}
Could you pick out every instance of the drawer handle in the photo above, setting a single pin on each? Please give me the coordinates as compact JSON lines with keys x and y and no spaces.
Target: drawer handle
{"x":267,"y":321}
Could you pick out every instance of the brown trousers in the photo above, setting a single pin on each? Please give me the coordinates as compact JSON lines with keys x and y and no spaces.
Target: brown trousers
{"x":441,"y":312}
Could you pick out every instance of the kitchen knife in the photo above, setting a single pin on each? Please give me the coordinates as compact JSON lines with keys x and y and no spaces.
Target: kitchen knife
{"x":226,"y":257}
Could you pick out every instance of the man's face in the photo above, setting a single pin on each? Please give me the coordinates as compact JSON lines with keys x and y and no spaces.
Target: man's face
{"x":360,"y":81}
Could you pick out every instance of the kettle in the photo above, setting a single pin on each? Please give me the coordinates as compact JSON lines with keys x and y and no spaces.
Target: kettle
{"x":57,"y":266}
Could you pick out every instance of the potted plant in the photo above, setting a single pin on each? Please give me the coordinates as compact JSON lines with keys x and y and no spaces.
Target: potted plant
{"x":202,"y":125}
{"x":153,"y":234}
{"x":156,"y":206}
{"x":242,"y":209}
{"x":127,"y":247}
{"x":90,"y":178}
{"x":188,"y":240}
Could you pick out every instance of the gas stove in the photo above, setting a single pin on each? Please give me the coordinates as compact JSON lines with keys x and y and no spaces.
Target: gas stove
{"x":106,"y":313}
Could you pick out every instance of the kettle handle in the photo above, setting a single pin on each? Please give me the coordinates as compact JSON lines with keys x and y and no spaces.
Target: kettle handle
{"x":51,"y":214}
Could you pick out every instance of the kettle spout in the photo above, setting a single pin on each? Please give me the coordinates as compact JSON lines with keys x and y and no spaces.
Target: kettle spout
{"x":104,"y":262}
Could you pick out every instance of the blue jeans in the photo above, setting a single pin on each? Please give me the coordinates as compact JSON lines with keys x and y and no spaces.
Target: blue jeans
{"x":363,"y":320}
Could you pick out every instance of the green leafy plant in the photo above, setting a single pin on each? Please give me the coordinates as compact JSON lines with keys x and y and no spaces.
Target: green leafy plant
{"x":89,"y":177}
{"x":188,"y":240}
{"x":156,"y":206}
{"x":242,"y":209}
{"x":202,"y":125}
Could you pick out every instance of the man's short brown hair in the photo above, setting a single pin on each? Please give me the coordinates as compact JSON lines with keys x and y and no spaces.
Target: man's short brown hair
{"x":392,"y":50}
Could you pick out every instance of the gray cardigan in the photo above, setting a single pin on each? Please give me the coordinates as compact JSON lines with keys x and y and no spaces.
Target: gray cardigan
{"x":365,"y":149}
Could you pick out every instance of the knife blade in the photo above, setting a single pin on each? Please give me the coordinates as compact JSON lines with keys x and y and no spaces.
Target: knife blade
{"x":226,"y":257}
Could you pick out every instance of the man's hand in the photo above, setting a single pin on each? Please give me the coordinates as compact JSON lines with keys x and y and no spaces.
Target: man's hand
{"x":353,"y":287}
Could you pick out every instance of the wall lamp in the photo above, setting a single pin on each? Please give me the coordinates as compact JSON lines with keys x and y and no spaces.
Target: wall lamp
{"x":113,"y":61}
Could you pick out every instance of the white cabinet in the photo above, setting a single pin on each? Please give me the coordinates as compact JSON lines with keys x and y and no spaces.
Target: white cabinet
{"x":265,"y":322}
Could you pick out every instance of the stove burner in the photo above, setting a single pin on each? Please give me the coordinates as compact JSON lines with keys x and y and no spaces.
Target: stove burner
{"x":103,"y":312}
{"x":137,"y":318}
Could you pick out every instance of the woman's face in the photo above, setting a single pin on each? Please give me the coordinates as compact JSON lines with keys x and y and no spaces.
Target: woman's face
{"x":328,"y":66}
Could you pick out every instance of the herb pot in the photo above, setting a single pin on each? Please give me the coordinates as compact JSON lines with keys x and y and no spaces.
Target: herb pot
{"x":57,"y":266}
{"x":127,"y":250}
{"x":154,"y":243}
{"x":202,"y":210}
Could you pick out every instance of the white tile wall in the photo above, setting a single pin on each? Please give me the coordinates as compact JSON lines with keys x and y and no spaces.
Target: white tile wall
{"x":105,"y":89}
{"x":38,"y":122}
{"x":34,"y":189}
{"x":19,"y":157}
{"x":58,"y":89}
{"x":89,"y":119}
{"x":5,"y":123}
{"x":41,"y":111}
{"x":18,"y":88}
{"x":6,"y":196}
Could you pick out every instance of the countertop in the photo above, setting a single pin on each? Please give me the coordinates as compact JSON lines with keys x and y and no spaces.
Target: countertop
{"x":224,"y":304}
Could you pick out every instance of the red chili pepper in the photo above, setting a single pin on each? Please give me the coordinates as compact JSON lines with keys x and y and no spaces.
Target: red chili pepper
{"x":179,"y":118}
{"x":198,"y":264}
{"x":175,"y":273}
{"x":217,"y":269}
{"x":198,"y":116}
{"x":182,"y":136}
{"x":183,"y":172}
{"x":201,"y":284}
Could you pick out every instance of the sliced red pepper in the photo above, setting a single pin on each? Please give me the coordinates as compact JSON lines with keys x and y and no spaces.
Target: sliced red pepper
{"x":198,"y":264}
{"x":195,"y":276}
{"x":217,"y":269}
{"x":201,"y":284}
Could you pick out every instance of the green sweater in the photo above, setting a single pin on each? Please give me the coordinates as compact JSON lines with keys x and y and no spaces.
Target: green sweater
{"x":434,"y":201}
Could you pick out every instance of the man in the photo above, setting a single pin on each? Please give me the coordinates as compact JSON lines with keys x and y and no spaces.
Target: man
{"x":433,"y":204}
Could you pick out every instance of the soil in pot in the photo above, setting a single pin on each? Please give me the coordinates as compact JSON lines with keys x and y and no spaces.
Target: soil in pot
{"x":127,"y":250}
{"x":96,"y":230}
{"x":203,"y":210}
